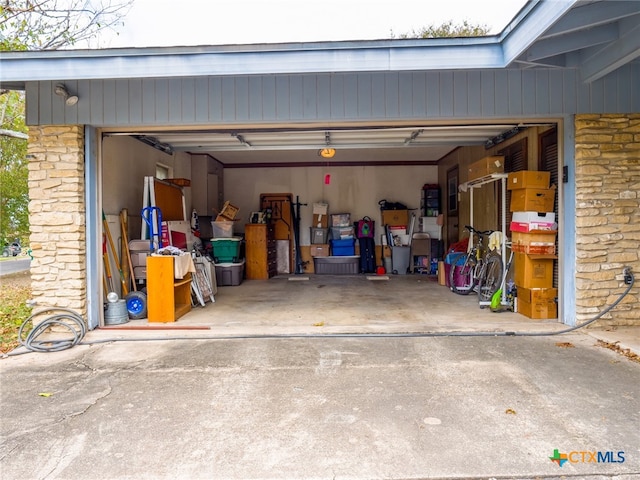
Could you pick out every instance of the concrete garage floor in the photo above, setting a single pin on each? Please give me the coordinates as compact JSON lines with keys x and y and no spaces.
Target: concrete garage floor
{"x":343,"y":303}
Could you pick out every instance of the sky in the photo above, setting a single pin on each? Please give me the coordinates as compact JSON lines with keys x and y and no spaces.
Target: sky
{"x":223,"y":22}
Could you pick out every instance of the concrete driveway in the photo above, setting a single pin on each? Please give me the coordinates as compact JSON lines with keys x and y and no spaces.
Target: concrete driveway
{"x":322,"y":408}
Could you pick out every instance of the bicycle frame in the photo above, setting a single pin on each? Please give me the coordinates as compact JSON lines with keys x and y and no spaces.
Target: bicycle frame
{"x":464,"y":278}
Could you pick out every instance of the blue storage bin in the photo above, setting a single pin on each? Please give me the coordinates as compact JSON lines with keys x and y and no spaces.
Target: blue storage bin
{"x":343,"y":247}
{"x":457,"y":257}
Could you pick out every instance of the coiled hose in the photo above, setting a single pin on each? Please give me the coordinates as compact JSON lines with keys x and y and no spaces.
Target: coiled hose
{"x":62,"y":318}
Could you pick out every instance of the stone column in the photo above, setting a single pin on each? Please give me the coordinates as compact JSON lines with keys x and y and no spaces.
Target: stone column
{"x":57,"y":216}
{"x":608,"y":215}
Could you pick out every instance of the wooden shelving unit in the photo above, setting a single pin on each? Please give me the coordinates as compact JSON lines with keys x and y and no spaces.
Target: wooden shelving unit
{"x":167,"y":297}
{"x":260,"y":251}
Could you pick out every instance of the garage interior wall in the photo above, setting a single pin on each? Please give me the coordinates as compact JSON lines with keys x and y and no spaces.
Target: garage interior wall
{"x":485,"y":210}
{"x":354,"y":189}
{"x":125,"y":163}
{"x":350,"y":189}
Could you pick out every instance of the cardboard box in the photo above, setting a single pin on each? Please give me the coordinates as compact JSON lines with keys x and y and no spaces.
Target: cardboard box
{"x":533,"y":271}
{"x":395,"y":217}
{"x":319,"y":250}
{"x":536,"y":242}
{"x":442,"y":279}
{"x":320,"y":221}
{"x":533,"y":199}
{"x":228,"y":213}
{"x":538,"y":303}
{"x":486,"y":166}
{"x":320,"y":208}
{"x":320,"y":215}
{"x":528,"y":179}
{"x":528,"y":221}
{"x":535,"y":249}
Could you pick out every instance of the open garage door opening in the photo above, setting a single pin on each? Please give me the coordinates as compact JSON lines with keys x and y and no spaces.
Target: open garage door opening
{"x":274,"y":212}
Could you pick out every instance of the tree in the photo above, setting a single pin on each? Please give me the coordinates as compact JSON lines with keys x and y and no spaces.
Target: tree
{"x":38,"y":25}
{"x":447,"y":29}
{"x":14,"y":197}
{"x":55,"y":24}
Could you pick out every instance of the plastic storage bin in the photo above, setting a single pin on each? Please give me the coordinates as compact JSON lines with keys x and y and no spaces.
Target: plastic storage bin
{"x":340,"y":233}
{"x":347,"y":265}
{"x":226,"y":250}
{"x":229,"y":274}
{"x":319,"y":235}
{"x":344,"y":247}
{"x":222,"y":229}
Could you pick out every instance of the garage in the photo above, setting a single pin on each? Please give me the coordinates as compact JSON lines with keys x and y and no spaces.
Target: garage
{"x":397,"y":163}
{"x":238,"y":122}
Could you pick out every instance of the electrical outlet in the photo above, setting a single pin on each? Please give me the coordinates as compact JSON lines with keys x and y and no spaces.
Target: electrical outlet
{"x":628,"y":276}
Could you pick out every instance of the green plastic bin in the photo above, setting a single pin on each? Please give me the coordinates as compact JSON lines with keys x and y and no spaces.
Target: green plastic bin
{"x":226,"y":250}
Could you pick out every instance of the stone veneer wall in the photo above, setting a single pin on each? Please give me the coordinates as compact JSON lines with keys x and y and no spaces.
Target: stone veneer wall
{"x":57,"y":216}
{"x":608,"y":215}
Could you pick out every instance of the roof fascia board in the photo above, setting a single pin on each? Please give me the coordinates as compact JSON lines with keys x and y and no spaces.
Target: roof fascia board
{"x":110,"y":64}
{"x":532,"y":26}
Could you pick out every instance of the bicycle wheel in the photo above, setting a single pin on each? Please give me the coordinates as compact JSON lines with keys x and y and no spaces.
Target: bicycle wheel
{"x":461,"y":279}
{"x":491,"y":277}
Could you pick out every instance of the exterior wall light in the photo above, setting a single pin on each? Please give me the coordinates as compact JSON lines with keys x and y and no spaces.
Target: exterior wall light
{"x":62,"y":91}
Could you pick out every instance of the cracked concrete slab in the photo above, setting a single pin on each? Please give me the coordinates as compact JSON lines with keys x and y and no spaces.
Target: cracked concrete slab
{"x":323,"y":408}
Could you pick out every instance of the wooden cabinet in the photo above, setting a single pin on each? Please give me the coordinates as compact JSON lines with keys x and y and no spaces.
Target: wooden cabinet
{"x":167,"y":298}
{"x":260,"y":251}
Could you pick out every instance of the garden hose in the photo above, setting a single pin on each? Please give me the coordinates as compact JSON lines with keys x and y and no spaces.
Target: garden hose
{"x":73,"y":322}
{"x":63,"y":318}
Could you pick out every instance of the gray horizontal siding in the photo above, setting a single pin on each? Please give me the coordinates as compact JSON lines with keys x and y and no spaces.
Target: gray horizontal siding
{"x":348,"y":97}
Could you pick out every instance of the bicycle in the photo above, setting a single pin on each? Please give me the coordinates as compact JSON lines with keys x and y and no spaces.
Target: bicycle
{"x":476,"y":270}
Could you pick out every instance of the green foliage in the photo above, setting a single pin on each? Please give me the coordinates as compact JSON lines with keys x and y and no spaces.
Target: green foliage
{"x":14,"y":189}
{"x":448,"y":29}
{"x":14,"y":294}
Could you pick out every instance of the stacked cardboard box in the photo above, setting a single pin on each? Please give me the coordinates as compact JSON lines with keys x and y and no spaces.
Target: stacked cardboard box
{"x":533,"y":234}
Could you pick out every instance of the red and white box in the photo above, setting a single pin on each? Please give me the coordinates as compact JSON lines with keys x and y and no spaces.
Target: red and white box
{"x":528,"y":221}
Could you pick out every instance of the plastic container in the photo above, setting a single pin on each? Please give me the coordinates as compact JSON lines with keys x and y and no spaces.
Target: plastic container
{"x":222,"y":229}
{"x":318,"y":235}
{"x":226,"y":250}
{"x":345,"y":247}
{"x":338,"y":233}
{"x":229,"y":274}
{"x":346,"y":265}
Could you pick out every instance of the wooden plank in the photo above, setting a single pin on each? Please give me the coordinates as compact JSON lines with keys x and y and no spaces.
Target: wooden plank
{"x":168,"y":198}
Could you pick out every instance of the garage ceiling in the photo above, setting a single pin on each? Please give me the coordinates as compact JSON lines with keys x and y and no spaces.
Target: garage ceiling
{"x":423,"y":144}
